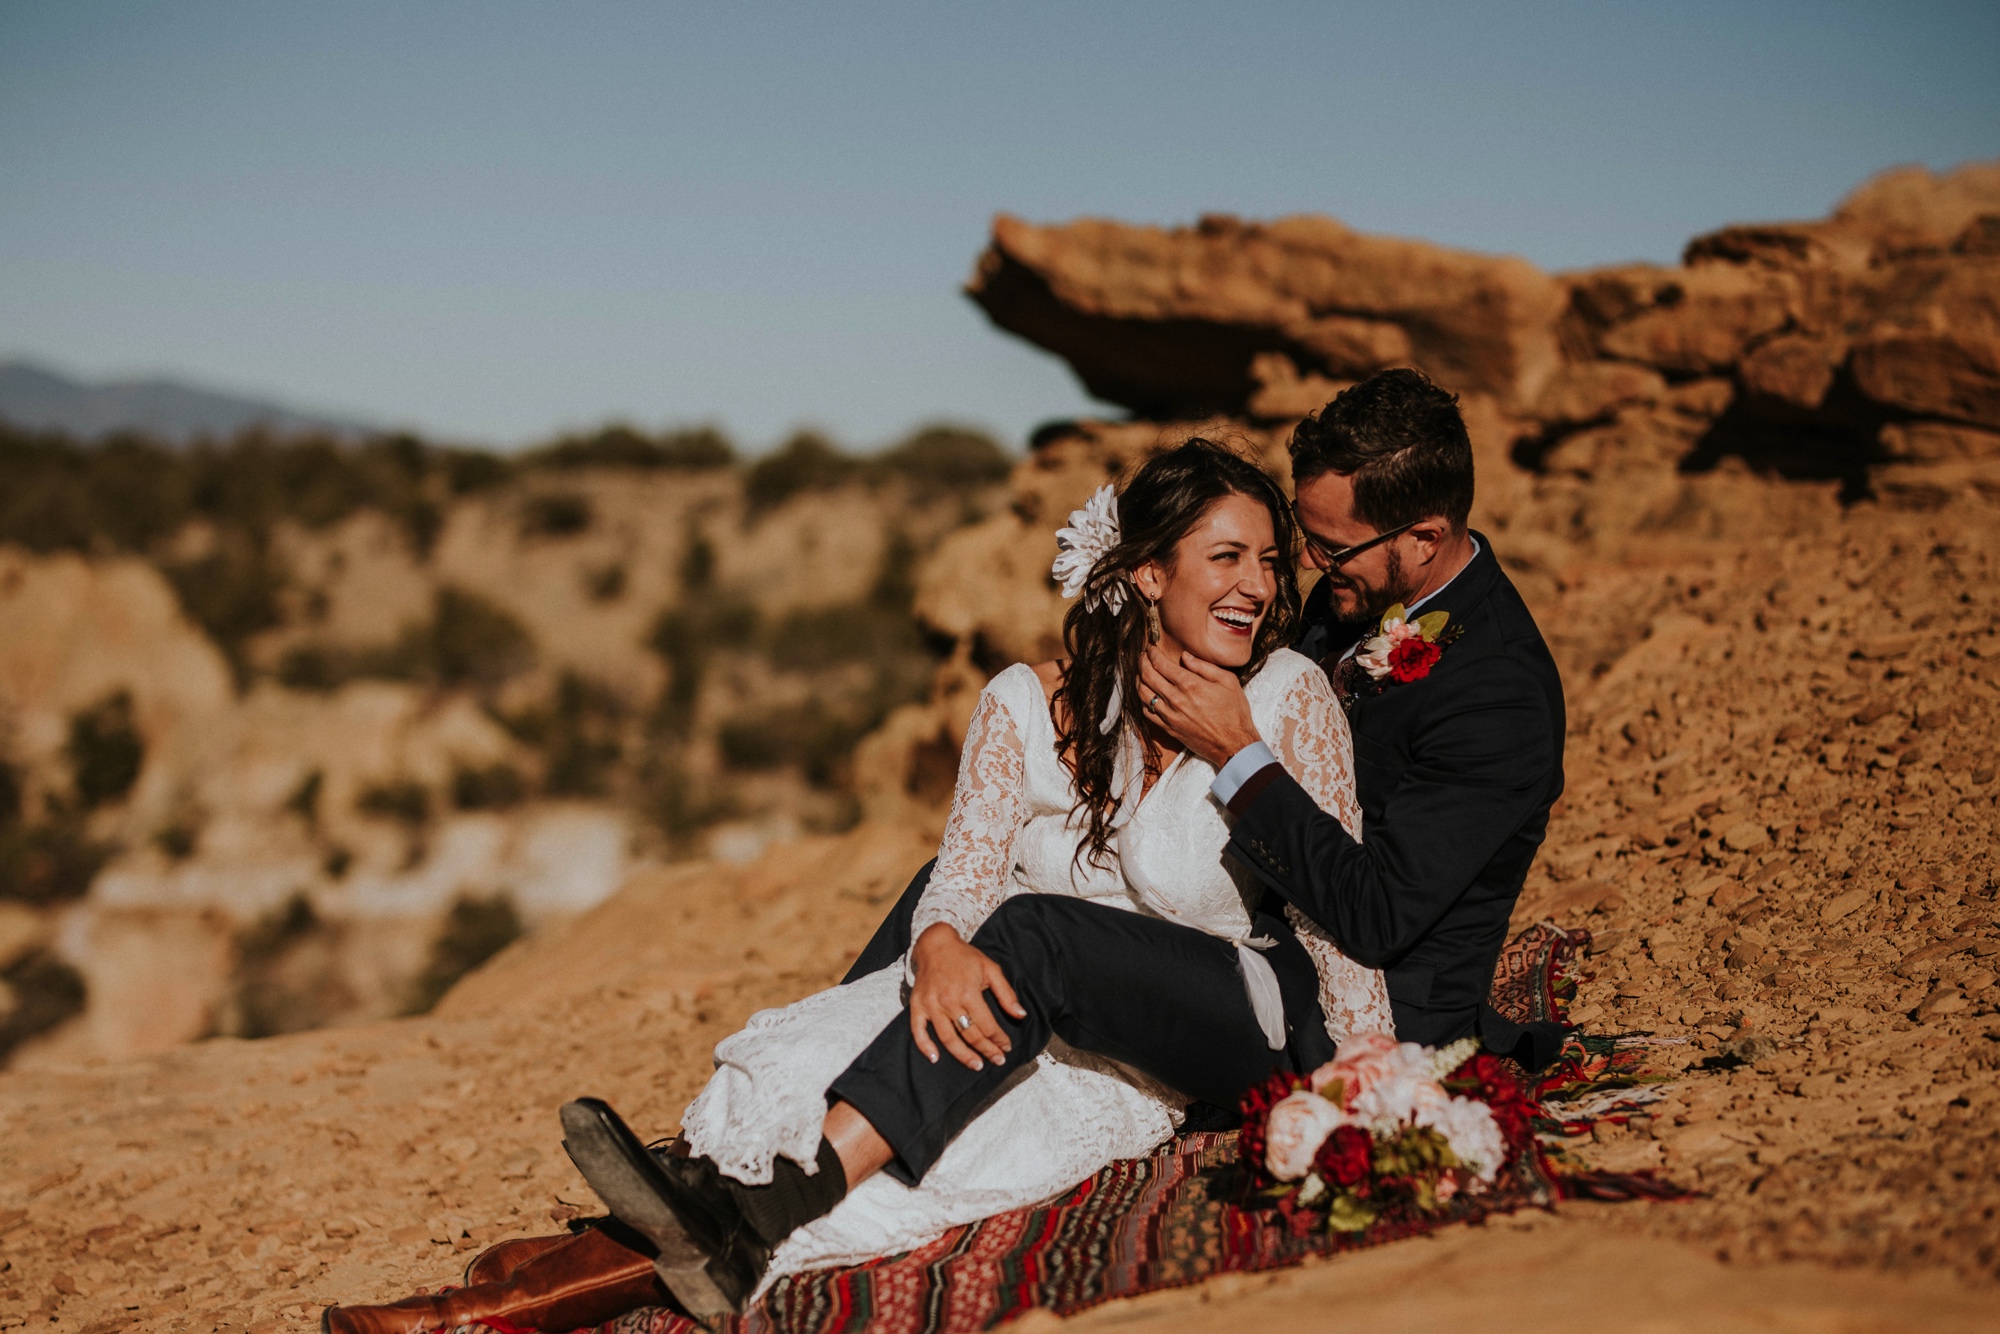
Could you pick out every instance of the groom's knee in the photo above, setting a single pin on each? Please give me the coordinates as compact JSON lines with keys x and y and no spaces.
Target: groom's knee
{"x":1024,"y":919}
{"x":1031,"y":937}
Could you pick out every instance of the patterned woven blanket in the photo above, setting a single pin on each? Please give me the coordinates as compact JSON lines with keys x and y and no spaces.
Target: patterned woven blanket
{"x":1140,"y":1225}
{"x":1145,"y":1224}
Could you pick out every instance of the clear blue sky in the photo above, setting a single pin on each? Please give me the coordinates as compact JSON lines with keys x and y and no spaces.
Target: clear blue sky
{"x":492,"y":220}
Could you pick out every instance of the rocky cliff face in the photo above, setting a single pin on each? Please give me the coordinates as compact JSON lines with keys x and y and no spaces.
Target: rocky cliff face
{"x":1213,"y":317}
{"x":424,"y":737}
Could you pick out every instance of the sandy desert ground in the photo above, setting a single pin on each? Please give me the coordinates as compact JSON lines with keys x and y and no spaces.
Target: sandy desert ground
{"x":1780,"y":825}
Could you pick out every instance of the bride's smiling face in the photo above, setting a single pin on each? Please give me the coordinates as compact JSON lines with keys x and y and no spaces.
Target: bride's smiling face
{"x":1214,"y":594}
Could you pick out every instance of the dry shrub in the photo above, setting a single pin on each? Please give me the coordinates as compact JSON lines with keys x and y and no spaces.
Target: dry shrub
{"x":42,"y":992}
{"x":469,"y":641}
{"x":474,"y":931}
{"x":105,"y":751}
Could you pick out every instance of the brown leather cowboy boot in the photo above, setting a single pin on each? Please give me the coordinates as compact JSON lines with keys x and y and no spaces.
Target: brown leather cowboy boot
{"x":581,"y":1281}
{"x":497,"y":1263}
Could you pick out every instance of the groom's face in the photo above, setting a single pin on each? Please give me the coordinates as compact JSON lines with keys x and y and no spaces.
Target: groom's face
{"x":1368,"y":584}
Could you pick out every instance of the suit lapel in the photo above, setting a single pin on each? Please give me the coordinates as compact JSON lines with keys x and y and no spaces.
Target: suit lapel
{"x":1327,"y":639}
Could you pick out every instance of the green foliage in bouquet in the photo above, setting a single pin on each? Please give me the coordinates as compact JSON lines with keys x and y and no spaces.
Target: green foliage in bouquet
{"x":1409,"y":1166}
{"x":1398,"y":1173}
{"x":1346,"y":1213}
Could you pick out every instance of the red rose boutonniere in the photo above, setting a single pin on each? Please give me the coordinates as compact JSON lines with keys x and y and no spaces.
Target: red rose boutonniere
{"x":1401,"y":650}
{"x":1411,"y":660}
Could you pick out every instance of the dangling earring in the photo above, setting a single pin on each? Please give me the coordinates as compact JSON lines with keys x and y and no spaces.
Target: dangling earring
{"x":1152,"y":621}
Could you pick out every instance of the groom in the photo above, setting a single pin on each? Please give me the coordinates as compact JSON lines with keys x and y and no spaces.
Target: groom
{"x":1457,"y":747}
{"x":1455,"y":769}
{"x":1458,"y":759}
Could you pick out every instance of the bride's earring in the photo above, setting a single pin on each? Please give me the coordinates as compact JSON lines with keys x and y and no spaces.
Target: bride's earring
{"x":1152,"y":621}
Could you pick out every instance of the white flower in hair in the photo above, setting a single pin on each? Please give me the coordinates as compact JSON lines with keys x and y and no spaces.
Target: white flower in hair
{"x":1093,"y":531}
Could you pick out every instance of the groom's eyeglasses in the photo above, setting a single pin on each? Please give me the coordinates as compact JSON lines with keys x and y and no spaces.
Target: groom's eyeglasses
{"x":1332,"y":558}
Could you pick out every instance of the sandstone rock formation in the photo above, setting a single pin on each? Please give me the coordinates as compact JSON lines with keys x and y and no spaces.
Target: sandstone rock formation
{"x":261,"y":787}
{"x":588,"y":595}
{"x":1198,"y":319}
{"x":74,"y":632}
{"x":1832,"y":331}
{"x":1615,"y":412}
{"x":1796,"y":343}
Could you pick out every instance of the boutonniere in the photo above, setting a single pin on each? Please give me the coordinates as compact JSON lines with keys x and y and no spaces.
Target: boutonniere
{"x":1401,"y":650}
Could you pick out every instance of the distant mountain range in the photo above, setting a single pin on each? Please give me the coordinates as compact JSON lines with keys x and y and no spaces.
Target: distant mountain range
{"x":41,"y":399}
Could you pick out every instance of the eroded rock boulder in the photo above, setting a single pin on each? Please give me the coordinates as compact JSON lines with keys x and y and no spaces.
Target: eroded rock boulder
{"x":1938,"y":355}
{"x":1686,"y":321}
{"x":1184,"y":322}
{"x":1885,"y":312}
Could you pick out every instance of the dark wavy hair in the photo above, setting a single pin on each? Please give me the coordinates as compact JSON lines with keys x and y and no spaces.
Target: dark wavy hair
{"x":1160,"y":505}
{"x":1401,"y":440}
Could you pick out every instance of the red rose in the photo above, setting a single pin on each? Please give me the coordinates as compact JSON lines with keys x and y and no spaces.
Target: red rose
{"x":1346,"y":1158}
{"x":1411,"y":660}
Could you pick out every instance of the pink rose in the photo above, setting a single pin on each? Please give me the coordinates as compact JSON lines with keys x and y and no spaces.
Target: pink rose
{"x":1297,"y":1125}
{"x":1363,"y":1062}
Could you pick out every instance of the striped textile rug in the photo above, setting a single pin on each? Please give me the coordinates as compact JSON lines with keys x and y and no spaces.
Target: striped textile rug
{"x":1140,"y":1225}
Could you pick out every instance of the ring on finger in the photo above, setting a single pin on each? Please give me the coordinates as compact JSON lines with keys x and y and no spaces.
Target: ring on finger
{"x":963,"y":1021}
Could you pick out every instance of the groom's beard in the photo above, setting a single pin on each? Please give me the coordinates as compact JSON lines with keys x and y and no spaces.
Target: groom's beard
{"x":1395,"y":588}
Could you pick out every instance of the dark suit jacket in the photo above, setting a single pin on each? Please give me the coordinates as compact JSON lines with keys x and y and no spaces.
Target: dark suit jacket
{"x":1456,"y":773}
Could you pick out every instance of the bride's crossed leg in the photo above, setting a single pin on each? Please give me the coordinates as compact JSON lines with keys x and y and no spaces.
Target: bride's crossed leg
{"x":828,"y":1135}
{"x":1041,"y":1126}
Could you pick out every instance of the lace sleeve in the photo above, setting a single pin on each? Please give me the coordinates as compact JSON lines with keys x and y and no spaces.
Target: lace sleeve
{"x":1316,"y":748}
{"x":988,"y":809}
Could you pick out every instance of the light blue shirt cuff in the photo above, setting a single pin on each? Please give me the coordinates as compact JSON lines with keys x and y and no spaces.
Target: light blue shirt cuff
{"x":1237,"y":772}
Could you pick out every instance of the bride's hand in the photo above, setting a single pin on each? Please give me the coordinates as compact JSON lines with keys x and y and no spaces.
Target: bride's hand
{"x":952,"y":981}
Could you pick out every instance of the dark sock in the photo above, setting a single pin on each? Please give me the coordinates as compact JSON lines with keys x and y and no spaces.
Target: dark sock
{"x":793,"y":1199}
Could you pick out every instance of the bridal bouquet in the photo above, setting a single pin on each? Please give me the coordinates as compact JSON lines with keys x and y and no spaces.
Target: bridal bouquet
{"x":1384,"y":1128}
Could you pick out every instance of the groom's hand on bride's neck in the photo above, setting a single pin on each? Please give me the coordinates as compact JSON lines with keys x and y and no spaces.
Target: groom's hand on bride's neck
{"x":1199,"y":704}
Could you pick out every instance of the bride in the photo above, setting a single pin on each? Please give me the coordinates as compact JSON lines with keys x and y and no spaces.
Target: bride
{"x":1064,"y":789}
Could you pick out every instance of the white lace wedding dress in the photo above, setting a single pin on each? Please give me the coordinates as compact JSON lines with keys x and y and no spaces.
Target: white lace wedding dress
{"x":1068,"y":1113}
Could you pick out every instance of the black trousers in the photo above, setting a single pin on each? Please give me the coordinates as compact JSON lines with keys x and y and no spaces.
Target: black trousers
{"x":891,"y":940}
{"x":1165,"y":999}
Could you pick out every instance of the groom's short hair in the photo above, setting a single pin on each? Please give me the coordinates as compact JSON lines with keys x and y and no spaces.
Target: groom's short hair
{"x":1402,"y":442}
